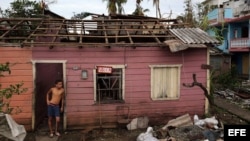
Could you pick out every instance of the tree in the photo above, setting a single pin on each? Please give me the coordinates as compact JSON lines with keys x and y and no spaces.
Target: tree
{"x":189,"y":13}
{"x":115,"y":6}
{"x":120,"y":7}
{"x":202,"y":18}
{"x":1,"y":13}
{"x":7,"y":93}
{"x":81,"y":15}
{"x":156,"y":3}
{"x":45,"y":3}
{"x":139,"y":11}
{"x":24,"y":8}
{"x":203,"y":22}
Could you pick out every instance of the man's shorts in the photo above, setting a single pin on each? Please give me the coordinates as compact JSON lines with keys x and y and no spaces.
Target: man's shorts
{"x":53,"y":110}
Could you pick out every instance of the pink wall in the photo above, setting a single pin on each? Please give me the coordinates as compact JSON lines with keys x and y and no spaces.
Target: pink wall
{"x":21,"y":71}
{"x":81,"y":109}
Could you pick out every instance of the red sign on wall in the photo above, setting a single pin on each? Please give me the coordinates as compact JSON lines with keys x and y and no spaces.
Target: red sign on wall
{"x":104,"y":69}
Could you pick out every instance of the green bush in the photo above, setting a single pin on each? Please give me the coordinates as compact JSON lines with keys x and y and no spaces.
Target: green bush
{"x":7,"y":93}
{"x":226,"y":80}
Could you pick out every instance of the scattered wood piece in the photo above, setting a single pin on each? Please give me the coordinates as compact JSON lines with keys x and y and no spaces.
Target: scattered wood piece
{"x":184,"y":120}
{"x":243,"y":95}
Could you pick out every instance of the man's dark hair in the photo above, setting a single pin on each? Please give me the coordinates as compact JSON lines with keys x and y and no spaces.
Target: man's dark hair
{"x":58,"y":80}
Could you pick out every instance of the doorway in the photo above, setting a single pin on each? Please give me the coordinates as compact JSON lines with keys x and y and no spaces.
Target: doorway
{"x":244,"y":32}
{"x":45,"y":75}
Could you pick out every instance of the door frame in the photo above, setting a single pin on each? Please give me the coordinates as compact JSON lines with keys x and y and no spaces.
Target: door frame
{"x":63,"y":62}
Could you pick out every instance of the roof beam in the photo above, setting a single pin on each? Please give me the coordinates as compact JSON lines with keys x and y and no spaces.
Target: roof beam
{"x":57,"y":32}
{"x":92,"y":44}
{"x":155,"y":37}
{"x":82,"y":31}
{"x":29,"y":37}
{"x":105,"y":32}
{"x":128,"y":34}
{"x":12,"y":28}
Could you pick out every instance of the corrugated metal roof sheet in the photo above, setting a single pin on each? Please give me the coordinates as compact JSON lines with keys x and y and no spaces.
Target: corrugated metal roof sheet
{"x":193,"y":36}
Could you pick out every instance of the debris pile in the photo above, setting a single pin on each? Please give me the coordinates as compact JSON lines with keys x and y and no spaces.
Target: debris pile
{"x":183,"y":128}
{"x":240,"y":97}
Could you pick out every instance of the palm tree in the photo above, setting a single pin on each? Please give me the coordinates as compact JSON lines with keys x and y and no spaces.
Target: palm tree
{"x":120,"y":7}
{"x":115,"y":5}
{"x":156,"y":3}
{"x":111,"y":6}
{"x":139,"y":11}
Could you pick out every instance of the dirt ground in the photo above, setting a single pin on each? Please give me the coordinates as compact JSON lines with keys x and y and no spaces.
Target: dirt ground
{"x":113,"y":135}
{"x":228,"y":118}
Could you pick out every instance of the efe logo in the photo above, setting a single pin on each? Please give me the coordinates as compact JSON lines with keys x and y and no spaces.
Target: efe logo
{"x":236,"y":132}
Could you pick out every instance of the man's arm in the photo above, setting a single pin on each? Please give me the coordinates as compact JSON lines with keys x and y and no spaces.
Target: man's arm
{"x":47,"y":96}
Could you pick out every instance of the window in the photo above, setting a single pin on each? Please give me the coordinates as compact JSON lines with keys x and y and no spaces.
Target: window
{"x":109,"y":88}
{"x":165,"y":82}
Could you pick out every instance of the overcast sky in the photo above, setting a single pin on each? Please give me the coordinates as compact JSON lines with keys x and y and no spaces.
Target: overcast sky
{"x":67,"y":8}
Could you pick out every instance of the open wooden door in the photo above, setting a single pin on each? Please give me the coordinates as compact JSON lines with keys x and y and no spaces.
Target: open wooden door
{"x":45,"y":76}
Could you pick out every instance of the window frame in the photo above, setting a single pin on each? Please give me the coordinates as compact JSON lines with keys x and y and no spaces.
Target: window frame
{"x":123,"y":82}
{"x":178,"y":66}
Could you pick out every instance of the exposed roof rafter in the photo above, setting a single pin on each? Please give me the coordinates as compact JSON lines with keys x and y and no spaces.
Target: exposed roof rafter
{"x":81,"y":33}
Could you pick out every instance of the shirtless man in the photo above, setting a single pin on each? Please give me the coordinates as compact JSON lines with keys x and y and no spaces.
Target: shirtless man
{"x":57,"y":94}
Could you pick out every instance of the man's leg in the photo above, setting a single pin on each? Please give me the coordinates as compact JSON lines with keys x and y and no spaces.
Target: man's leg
{"x":50,"y":117}
{"x":57,"y":125}
{"x":57,"y":114}
{"x":50,"y":124}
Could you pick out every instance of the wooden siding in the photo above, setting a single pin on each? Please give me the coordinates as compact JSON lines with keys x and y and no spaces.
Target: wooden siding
{"x":80,"y":105}
{"x":21,"y":71}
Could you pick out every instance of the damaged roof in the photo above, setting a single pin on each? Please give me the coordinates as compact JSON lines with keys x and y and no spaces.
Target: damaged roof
{"x":193,"y":36}
{"x":97,"y":32}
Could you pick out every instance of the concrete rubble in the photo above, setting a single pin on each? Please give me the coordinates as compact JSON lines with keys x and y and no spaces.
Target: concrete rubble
{"x":185,"y":129}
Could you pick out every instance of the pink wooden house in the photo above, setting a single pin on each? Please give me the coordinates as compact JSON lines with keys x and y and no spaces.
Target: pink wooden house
{"x":130,"y":66}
